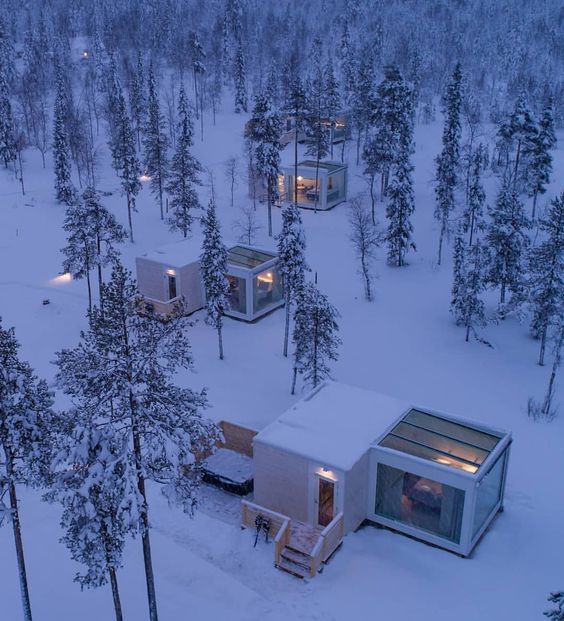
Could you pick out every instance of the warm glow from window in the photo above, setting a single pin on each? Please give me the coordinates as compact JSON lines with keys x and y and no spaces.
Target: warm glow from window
{"x":144,"y":178}
{"x":61,"y":279}
{"x":300,"y":178}
{"x":466,"y":467}
{"x":265,"y":277}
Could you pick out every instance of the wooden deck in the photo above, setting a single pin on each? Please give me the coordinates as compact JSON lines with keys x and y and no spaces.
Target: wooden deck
{"x":303,"y":537}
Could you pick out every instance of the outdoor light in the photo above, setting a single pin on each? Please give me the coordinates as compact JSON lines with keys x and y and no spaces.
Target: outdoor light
{"x":61,"y":278}
{"x":300,"y":178}
{"x":171,"y":272}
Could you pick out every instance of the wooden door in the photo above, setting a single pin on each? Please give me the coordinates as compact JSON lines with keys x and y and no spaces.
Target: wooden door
{"x":325,"y":501}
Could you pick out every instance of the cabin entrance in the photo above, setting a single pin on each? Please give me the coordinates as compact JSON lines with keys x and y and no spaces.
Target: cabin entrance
{"x":325,"y":501}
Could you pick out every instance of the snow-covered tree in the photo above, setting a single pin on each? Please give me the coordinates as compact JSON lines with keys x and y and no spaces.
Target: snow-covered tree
{"x":64,"y":188}
{"x":539,"y":158}
{"x":401,"y":203}
{"x":240,"y":80}
{"x":363,"y":99}
{"x":556,"y":614}
{"x":80,"y":252}
{"x":232,"y":174}
{"x":7,"y":126}
{"x":296,"y":107}
{"x":315,"y":336}
{"x":137,"y":98}
{"x":292,"y":263}
{"x":365,"y":239}
{"x":468,"y":285}
{"x":266,"y":128}
{"x":332,"y":99}
{"x":25,"y":447}
{"x":507,"y":241}
{"x":125,"y":158}
{"x":183,"y":173}
{"x":94,"y":481}
{"x":546,"y":275}
{"x":473,"y":213}
{"x":120,"y":374}
{"x":448,"y":160}
{"x":213,"y":267}
{"x":155,"y":143}
{"x":106,"y":230}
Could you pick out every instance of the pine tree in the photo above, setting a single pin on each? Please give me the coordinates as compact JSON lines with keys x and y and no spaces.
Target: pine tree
{"x":240,"y":79}
{"x":448,"y":160}
{"x":125,"y":158}
{"x":332,"y":96}
{"x":25,"y":447}
{"x":137,"y":98}
{"x":538,"y":156}
{"x":472,"y":215}
{"x":315,"y":336}
{"x":7,"y":128}
{"x":131,"y":399}
{"x":155,"y":143}
{"x":65,"y":191}
{"x":556,"y":614}
{"x":296,"y":106}
{"x":292,"y":263}
{"x":363,"y":100}
{"x":106,"y":230}
{"x":546,"y":275}
{"x":507,"y":243}
{"x":469,"y":283}
{"x":183,"y":174}
{"x":213,"y":267}
{"x":80,"y":252}
{"x":266,"y":128}
{"x":95,"y":484}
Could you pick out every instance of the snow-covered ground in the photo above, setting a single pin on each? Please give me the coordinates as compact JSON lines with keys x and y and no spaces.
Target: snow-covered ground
{"x":403,"y":344}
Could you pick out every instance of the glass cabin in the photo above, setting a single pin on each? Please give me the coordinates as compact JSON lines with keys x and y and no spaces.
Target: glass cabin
{"x":318,"y":187}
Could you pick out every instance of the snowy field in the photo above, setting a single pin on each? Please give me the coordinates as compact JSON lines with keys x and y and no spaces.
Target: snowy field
{"x":404,"y":344}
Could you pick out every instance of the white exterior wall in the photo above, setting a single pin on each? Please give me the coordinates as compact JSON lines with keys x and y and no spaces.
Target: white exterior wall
{"x":356,"y":493}
{"x":190,"y":286}
{"x":151,"y":280}
{"x":281,"y":481}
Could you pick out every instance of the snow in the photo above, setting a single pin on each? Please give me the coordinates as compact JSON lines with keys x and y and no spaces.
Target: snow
{"x":230,"y":466}
{"x":404,"y":343}
{"x":334,"y":425}
{"x":179,"y":254}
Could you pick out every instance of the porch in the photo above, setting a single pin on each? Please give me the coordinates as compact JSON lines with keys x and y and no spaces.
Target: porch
{"x":300,"y":549}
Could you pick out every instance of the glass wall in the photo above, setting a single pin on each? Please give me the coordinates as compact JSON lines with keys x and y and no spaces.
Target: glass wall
{"x":308,"y":190}
{"x":267,"y":289}
{"x":336,"y":187}
{"x":419,"y":502}
{"x":488,"y":494}
{"x":237,"y":294}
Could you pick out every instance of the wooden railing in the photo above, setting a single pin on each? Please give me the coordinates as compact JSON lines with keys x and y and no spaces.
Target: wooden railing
{"x":281,"y":540}
{"x":329,"y":540}
{"x":249,"y":512}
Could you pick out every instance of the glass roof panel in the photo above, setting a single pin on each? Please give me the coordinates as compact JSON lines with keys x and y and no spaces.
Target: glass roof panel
{"x":441,"y":440}
{"x":247,"y":257}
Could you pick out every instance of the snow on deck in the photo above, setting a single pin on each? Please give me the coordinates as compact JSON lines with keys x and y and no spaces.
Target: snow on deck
{"x":335,"y":425}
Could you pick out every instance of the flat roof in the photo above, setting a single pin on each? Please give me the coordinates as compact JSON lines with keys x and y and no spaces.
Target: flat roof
{"x":330,"y":166}
{"x":446,"y":441}
{"x":334,"y":425}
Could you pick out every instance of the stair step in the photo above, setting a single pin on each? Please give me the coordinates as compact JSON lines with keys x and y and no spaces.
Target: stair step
{"x":292,"y":568}
{"x":296,"y":557}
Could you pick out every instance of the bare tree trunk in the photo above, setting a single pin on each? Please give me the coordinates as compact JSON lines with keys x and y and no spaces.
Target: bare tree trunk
{"x":294,"y":378}
{"x":555,"y":365}
{"x":467,"y":333}
{"x":373,"y":199}
{"x":287,"y":326}
{"x":535,"y":195}
{"x":129,"y":218}
{"x":220,"y":339}
{"x":441,"y":237}
{"x":17,"y":535}
{"x":115,"y":594}
{"x":542,"y":346}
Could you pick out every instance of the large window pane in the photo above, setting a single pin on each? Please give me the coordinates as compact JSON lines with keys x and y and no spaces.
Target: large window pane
{"x":267,"y":289}
{"x":237,"y":294}
{"x":419,"y":502}
{"x":488,"y":494}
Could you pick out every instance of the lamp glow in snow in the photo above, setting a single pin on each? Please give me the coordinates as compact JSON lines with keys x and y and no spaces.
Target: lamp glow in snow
{"x":61,"y":279}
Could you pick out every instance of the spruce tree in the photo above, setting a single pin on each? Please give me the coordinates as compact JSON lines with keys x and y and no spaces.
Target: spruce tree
{"x":315,"y":337}
{"x":80,"y":252}
{"x":546,"y":275}
{"x":137,"y":98}
{"x":26,"y":417}
{"x":332,"y":97}
{"x":64,"y":188}
{"x":155,"y":143}
{"x":507,"y":241}
{"x":266,"y":128}
{"x":292,"y":263}
{"x":8,"y":150}
{"x":473,"y":213}
{"x":213,"y":267}
{"x":125,"y":158}
{"x":556,"y":614}
{"x":296,"y":106}
{"x":183,"y":174}
{"x":240,"y":80}
{"x":133,"y":401}
{"x":448,"y":160}
{"x":363,"y":100}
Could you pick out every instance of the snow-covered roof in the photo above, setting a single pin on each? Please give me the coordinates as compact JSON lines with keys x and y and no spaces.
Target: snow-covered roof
{"x":178,"y":254}
{"x":334,"y":425}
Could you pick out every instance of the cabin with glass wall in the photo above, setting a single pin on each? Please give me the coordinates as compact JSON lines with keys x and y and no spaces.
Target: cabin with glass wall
{"x":319,"y":185}
{"x":172,"y":273}
{"x":352,"y":455}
